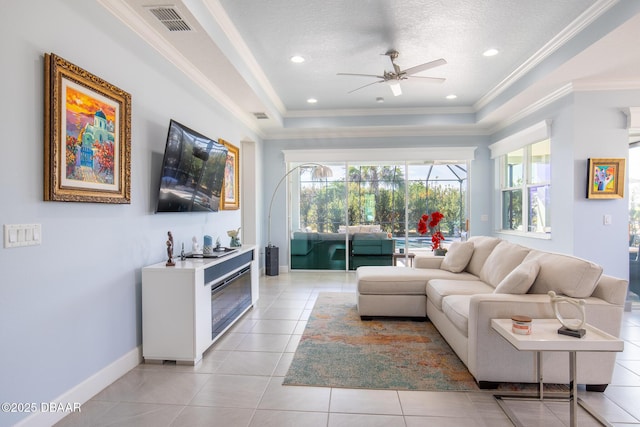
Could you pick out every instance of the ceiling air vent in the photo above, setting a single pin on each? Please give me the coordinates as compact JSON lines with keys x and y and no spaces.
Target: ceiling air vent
{"x":261,"y":116}
{"x":170,"y":18}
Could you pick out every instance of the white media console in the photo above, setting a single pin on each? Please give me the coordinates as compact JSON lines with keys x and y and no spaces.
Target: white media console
{"x":186,"y":308}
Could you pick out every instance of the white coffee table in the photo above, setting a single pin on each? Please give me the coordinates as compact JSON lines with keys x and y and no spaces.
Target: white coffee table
{"x":545,"y":337}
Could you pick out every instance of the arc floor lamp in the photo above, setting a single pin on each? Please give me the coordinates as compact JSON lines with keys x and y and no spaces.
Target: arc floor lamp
{"x":271,"y":251}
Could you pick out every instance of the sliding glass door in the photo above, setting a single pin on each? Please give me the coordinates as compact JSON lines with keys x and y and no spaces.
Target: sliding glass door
{"x":367,"y":212}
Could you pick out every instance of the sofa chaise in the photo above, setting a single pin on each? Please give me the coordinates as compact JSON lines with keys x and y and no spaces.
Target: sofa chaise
{"x":486,"y":278}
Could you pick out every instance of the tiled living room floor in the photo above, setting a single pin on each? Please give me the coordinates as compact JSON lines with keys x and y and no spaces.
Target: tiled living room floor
{"x":239,"y":381}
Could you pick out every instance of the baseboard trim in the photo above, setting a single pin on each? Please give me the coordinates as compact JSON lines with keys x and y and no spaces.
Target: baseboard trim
{"x":84,"y":391}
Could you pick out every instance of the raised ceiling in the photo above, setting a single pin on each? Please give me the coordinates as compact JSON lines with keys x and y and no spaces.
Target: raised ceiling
{"x":239,"y":52}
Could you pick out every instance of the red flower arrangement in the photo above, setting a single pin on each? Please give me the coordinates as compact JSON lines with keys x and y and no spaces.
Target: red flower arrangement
{"x":425,"y":224}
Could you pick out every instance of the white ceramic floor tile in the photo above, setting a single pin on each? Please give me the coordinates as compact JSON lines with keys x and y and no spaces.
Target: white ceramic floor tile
{"x":195,"y":416}
{"x":534,"y":413}
{"x":151,"y":386}
{"x":271,"y":418}
{"x":96,"y":414}
{"x":625,"y":397}
{"x":231,"y":391}
{"x":294,"y":398}
{"x":606,"y":408}
{"x":276,"y":343}
{"x":436,"y":404}
{"x":363,"y":420}
{"x":361,"y":401}
{"x":269,"y":326}
{"x":412,"y":421}
{"x":249,"y":363}
{"x":283,"y":365}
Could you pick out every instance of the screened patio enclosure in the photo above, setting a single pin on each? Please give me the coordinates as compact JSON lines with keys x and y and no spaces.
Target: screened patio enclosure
{"x":367,"y":212}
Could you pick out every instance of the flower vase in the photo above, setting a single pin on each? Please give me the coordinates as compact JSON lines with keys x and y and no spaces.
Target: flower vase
{"x":440,"y":252}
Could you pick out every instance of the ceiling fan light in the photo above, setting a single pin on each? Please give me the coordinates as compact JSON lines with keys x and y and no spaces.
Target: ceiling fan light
{"x":396,"y":89}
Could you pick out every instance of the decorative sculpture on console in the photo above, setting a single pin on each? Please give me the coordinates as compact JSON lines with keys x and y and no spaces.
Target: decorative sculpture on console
{"x":195,"y":248}
{"x":235,"y":241}
{"x":571,"y":327}
{"x":170,"y":262}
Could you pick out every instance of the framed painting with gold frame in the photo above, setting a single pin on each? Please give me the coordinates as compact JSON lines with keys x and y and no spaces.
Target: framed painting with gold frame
{"x":606,"y":178}
{"x":231,"y":189}
{"x":87,"y":136}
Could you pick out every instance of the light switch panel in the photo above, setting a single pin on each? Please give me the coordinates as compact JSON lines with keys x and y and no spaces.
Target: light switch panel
{"x":16,"y":235}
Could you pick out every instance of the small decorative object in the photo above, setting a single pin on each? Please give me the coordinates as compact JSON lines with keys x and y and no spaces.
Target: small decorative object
{"x":425,"y":224}
{"x":218,"y":244}
{"x":182,"y":255}
{"x":170,"y":262}
{"x":230,"y":197}
{"x":195,"y":248}
{"x":208,"y":245}
{"x":235,"y":241}
{"x":606,"y":179}
{"x":571,"y":327}
{"x":87,"y":148}
{"x":521,"y":325}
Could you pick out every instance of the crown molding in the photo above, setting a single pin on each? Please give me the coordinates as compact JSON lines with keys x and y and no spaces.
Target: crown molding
{"x":626,"y":84}
{"x":130,"y":17}
{"x":532,"y":108}
{"x":379,"y":112}
{"x":376,"y":132}
{"x":578,"y":25}
{"x":233,"y":35}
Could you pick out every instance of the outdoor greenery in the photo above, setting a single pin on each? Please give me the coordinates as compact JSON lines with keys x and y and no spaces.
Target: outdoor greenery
{"x":376,"y":195}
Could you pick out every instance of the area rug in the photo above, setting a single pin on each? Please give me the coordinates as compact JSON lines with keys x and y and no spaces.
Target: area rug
{"x":337,"y":349}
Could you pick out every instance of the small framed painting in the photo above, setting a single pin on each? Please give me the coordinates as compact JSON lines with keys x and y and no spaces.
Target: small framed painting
{"x":606,"y":178}
{"x":231,"y":190}
{"x":87,"y":146}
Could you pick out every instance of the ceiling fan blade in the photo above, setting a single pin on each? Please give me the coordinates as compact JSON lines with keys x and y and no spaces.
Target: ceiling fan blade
{"x":425,"y":66}
{"x":431,"y":79}
{"x":362,"y":87}
{"x":361,"y":75}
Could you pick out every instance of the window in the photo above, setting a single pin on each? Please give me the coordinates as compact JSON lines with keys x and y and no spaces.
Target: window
{"x":525,"y":188}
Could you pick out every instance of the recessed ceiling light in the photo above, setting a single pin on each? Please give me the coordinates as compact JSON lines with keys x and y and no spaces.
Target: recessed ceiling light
{"x":490,"y":52}
{"x":297,"y":59}
{"x":312,"y":100}
{"x":452,"y":96}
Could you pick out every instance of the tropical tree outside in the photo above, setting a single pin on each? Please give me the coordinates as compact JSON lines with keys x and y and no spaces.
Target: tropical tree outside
{"x":376,"y":195}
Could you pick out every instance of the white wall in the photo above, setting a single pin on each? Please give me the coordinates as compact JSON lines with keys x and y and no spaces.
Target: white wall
{"x":584,"y":125}
{"x":71,"y":306}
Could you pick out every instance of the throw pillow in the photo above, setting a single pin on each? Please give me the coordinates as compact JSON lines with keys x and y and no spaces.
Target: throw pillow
{"x":457,"y":257}
{"x":520,"y":279}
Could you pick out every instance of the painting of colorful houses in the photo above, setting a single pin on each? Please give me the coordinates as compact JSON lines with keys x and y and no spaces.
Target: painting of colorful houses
{"x":90,"y":138}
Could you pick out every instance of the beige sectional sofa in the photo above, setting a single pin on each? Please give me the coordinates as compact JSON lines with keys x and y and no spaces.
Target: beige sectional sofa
{"x":488,"y":278}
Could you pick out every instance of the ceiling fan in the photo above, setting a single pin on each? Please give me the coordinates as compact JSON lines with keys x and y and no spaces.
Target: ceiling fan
{"x":395,"y":76}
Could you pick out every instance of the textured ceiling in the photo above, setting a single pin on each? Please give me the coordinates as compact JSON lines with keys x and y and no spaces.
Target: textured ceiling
{"x":350,"y":36}
{"x":238,"y":51}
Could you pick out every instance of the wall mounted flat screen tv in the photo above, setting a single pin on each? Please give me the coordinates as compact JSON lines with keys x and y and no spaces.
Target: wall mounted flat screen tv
{"x":192,"y":171}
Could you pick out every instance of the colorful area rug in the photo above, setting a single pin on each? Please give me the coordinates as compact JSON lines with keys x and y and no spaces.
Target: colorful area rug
{"x":338,"y":349}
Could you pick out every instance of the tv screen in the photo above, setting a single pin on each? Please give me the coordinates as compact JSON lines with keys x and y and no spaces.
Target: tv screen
{"x":192,"y":171}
